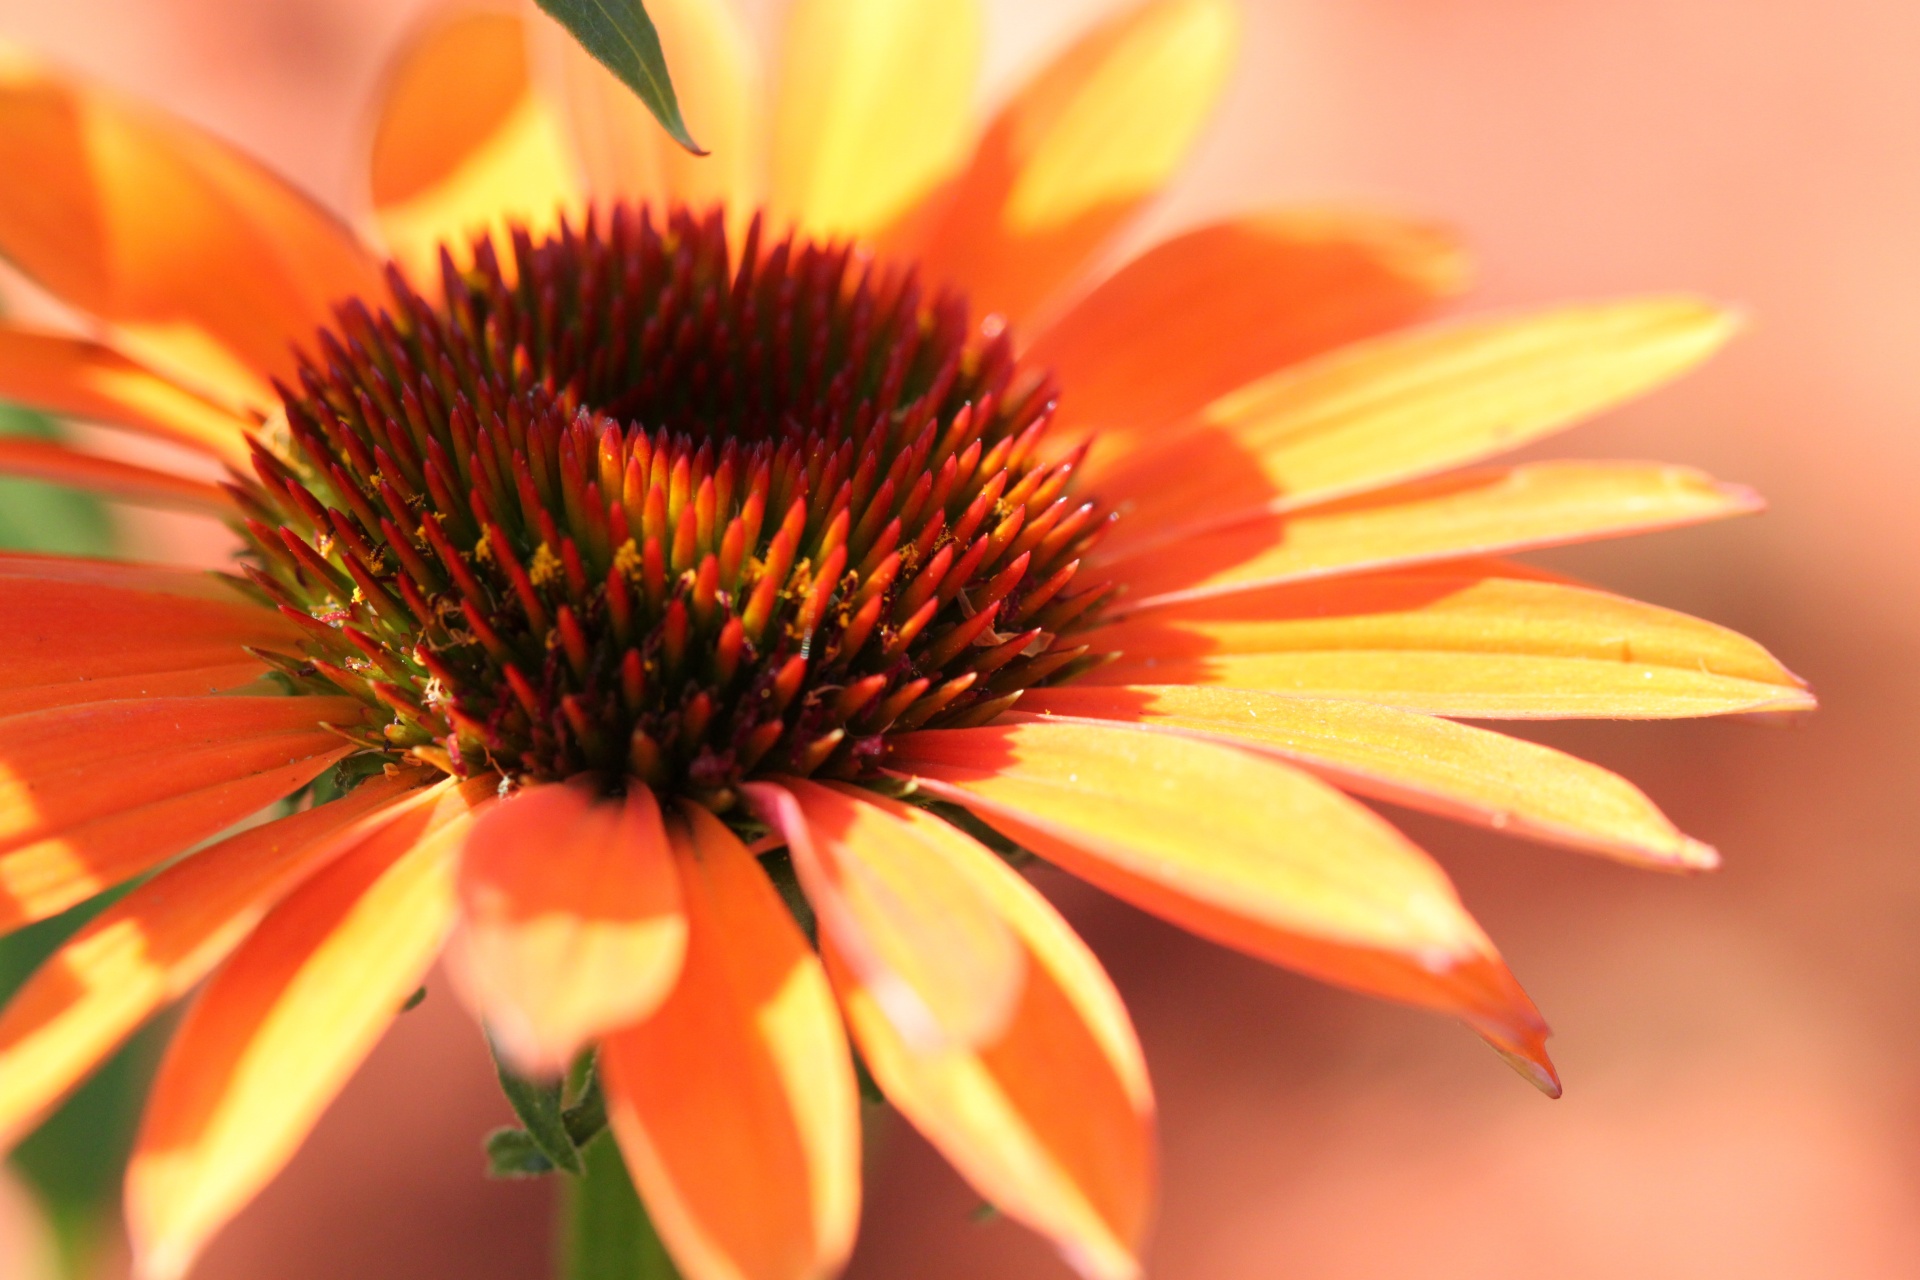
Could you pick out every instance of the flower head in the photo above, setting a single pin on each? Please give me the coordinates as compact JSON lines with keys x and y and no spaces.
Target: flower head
{"x":610,"y":535}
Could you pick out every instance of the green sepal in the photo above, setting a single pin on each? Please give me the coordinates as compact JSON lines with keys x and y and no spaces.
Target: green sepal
{"x":512,"y":1153}
{"x":621,"y":37}
{"x":556,"y":1131}
{"x":541,"y":1107}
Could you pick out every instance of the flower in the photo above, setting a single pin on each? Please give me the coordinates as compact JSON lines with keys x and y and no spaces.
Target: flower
{"x":616,"y":532}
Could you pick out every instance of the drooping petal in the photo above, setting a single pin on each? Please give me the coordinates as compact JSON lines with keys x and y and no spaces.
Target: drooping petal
{"x":54,"y":630}
{"x":93,"y":794}
{"x":205,"y":264}
{"x":1211,"y":310}
{"x":570,"y":920}
{"x":883,"y":880}
{"x":1405,"y":406}
{"x":79,"y":378}
{"x":874,"y":109}
{"x":1420,"y":761}
{"x":285,"y":1022}
{"x":1052,"y":1121}
{"x":1460,"y":643}
{"x":735,"y":1103}
{"x":154,"y":945}
{"x":1472,"y":513}
{"x":1240,"y":848}
{"x":55,"y":463}
{"x":465,"y":144}
{"x":1079,"y":149}
{"x":623,"y":150}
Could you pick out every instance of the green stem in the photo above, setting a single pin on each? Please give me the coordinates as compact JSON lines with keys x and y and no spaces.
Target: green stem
{"x":608,"y":1235}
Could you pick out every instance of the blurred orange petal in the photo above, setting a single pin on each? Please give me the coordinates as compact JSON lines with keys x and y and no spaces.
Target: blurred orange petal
{"x":283,"y":1025}
{"x":1236,"y":847}
{"x":1420,"y":761}
{"x":1408,"y":405}
{"x":1470,"y":513}
{"x":1478,"y":646}
{"x":1079,"y":149}
{"x":1052,"y":1120}
{"x":892,"y":894}
{"x":91,"y":795}
{"x":570,"y":920}
{"x":465,"y":145}
{"x":874,"y":110}
{"x":78,"y":378}
{"x":735,"y":1103}
{"x":54,"y":463}
{"x":153,"y":945}
{"x":1196,"y":316}
{"x":204,"y":262}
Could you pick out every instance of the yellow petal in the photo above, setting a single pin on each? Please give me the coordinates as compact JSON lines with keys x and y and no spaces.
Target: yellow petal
{"x":1408,"y":405}
{"x":735,"y":1103}
{"x":1079,"y":149}
{"x":466,"y":145}
{"x":1471,"y":513}
{"x":207,"y":265}
{"x":1419,"y":761}
{"x":1462,"y":645}
{"x":875,"y":109}
{"x":282,"y":1026}
{"x":1052,"y":1121}
{"x":1240,"y":848}
{"x":77,"y":378}
{"x":881,"y":877}
{"x":153,"y":946}
{"x":570,"y":920}
{"x":624,"y":152}
{"x":1208,"y":311}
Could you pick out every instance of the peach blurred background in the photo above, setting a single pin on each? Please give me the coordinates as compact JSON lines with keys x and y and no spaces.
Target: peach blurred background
{"x":1743,"y":1090}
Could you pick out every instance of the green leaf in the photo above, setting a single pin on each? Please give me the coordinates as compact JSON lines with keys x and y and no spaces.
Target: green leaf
{"x":44,"y":517}
{"x":621,"y":36}
{"x":608,"y":1233}
{"x":512,"y":1153}
{"x":540,"y":1108}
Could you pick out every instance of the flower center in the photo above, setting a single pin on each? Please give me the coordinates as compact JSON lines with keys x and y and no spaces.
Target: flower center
{"x":631,"y":504}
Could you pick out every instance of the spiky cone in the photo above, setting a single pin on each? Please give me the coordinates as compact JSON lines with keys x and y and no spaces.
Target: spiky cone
{"x":609,"y":526}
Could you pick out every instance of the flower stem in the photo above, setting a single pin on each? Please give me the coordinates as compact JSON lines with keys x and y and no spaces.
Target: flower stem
{"x":608,"y":1235}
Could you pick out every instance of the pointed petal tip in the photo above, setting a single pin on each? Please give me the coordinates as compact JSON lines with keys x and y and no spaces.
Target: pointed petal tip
{"x":1526,"y":1053}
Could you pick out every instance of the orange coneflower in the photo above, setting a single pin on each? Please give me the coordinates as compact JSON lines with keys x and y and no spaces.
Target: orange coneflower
{"x":617,"y":533}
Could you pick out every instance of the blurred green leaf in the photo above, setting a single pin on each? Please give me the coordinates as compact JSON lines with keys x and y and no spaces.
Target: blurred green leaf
{"x":621,"y":36}
{"x":42,"y":517}
{"x":540,"y":1107}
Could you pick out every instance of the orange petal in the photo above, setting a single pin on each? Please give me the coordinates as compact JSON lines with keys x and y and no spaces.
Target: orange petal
{"x":1404,"y":406}
{"x":1455,"y":643}
{"x":206,"y":264}
{"x":126,"y":575}
{"x":570,"y":920}
{"x":1472,"y":513}
{"x":53,"y":631}
{"x":1052,"y":1121}
{"x":191,"y":682}
{"x":77,"y":378}
{"x":1419,"y":761}
{"x":1079,"y":150}
{"x":465,"y":144}
{"x":1208,"y":311}
{"x":109,"y":477}
{"x":154,"y":945}
{"x":625,"y":153}
{"x":882,"y":878}
{"x":283,"y":1024}
{"x":91,"y":795}
{"x":875,"y":109}
{"x":735,"y":1103}
{"x":1239,"y":848}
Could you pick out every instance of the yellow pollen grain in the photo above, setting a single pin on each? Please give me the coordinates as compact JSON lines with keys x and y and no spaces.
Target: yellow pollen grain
{"x":628,"y":560}
{"x":545,"y":567}
{"x":483,"y":549}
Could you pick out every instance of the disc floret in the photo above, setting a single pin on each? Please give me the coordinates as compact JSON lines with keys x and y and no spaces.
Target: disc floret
{"x":626,"y":502}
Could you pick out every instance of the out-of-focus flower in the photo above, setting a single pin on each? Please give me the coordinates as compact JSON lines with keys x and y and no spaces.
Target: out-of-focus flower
{"x":619,"y":532}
